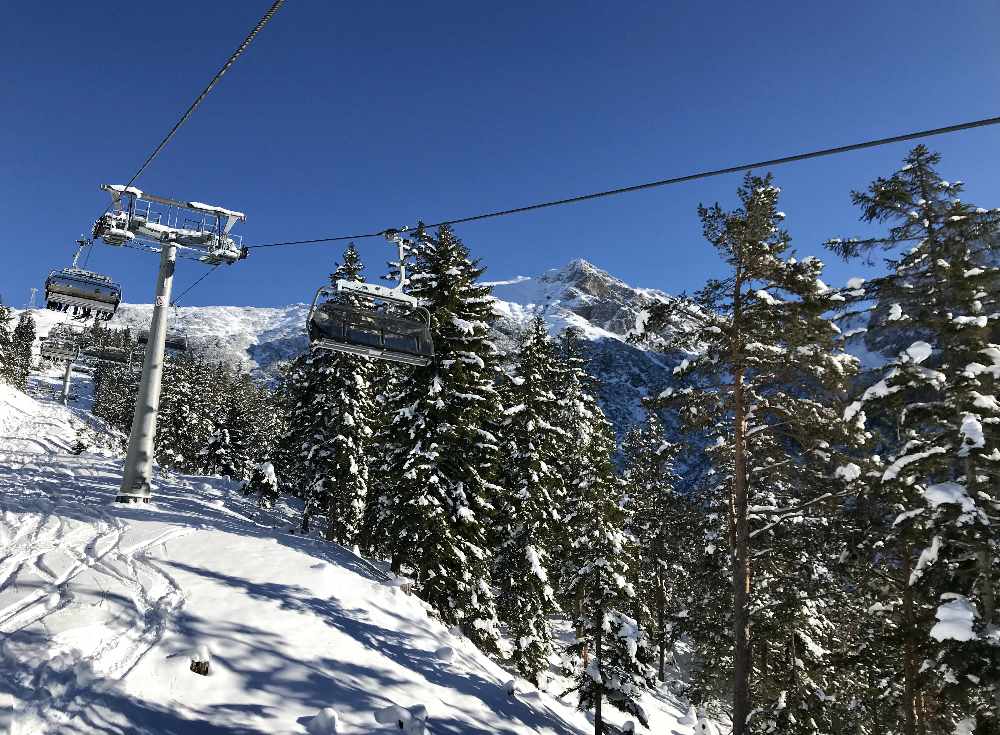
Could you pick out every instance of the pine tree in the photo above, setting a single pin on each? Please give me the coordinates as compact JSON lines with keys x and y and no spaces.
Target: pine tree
{"x":531,"y":450}
{"x":611,"y":655}
{"x":765,"y":376}
{"x":655,"y":521}
{"x":8,"y":354}
{"x":295,"y":422}
{"x":440,"y":454}
{"x":935,"y":404}
{"x":334,"y":452}
{"x":262,"y":483}
{"x":22,"y":342}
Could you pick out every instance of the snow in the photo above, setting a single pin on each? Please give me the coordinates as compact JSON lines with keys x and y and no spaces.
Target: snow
{"x":217,"y":210}
{"x":122,"y":189}
{"x":972,"y":433}
{"x":855,"y":283}
{"x":102,"y":606}
{"x":918,"y":352}
{"x":927,"y":557}
{"x":848,"y":472}
{"x":893,"y":470}
{"x":324,"y":723}
{"x":955,"y":620}
{"x":895,"y":312}
{"x":949,"y":492}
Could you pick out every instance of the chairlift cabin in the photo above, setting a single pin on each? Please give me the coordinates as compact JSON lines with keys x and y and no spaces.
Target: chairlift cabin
{"x":371,"y":320}
{"x":173,"y":342}
{"x":61,"y":345}
{"x":202,"y":228}
{"x":105,"y":354}
{"x":340,"y":327}
{"x":83,"y":292}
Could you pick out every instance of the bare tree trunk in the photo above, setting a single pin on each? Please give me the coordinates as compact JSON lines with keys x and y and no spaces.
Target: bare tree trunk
{"x":742,"y":653}
{"x":909,"y":660}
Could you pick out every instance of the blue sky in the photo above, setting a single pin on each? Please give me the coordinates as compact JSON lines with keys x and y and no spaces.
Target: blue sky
{"x":355,"y":117}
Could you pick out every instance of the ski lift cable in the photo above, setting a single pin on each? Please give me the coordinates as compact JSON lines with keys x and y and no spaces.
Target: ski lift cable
{"x":204,"y":93}
{"x":265,"y":19}
{"x":984,"y":122}
{"x":203,"y":276}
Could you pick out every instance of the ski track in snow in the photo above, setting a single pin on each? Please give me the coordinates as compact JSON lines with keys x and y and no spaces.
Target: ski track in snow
{"x":101,"y":605}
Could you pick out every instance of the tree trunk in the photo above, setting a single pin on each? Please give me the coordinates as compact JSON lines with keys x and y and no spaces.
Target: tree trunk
{"x":742,"y":654}
{"x":660,"y":621}
{"x":909,"y":660}
{"x":598,"y":640}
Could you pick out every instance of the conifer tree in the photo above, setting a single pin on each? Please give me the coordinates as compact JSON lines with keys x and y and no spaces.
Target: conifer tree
{"x":655,"y":520}
{"x":23,"y":339}
{"x":440,"y":455}
{"x":765,"y":374}
{"x":531,"y":451}
{"x":292,"y":404}
{"x":262,"y":483}
{"x":611,"y":655}
{"x":8,"y":354}
{"x":334,"y":452}
{"x":936,"y":317}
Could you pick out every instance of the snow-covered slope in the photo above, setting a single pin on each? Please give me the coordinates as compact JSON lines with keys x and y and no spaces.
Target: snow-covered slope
{"x":102,"y":606}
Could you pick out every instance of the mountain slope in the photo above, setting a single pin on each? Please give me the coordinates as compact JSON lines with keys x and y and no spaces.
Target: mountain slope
{"x":579,"y":295}
{"x":102,"y":605}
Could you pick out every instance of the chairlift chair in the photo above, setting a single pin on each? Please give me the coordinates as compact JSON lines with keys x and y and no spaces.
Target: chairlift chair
{"x":383,"y":323}
{"x":173,"y":342}
{"x":84,"y":292}
{"x":105,"y":354}
{"x":62,"y":344}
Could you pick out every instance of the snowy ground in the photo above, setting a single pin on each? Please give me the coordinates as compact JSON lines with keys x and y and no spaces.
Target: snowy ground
{"x":101,"y":606}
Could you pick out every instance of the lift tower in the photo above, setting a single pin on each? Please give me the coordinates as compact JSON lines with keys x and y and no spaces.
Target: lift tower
{"x":171,"y":228}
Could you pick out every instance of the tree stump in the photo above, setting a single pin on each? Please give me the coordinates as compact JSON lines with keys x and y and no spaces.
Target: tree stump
{"x":200,"y":667}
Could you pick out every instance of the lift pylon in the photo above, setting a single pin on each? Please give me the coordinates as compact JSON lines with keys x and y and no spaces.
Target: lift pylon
{"x":201,"y":229}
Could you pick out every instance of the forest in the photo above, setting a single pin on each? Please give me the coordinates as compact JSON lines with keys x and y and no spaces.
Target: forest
{"x":793,"y":540}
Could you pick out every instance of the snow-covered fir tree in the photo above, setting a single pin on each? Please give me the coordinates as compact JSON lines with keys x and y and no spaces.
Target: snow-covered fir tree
{"x":294,"y":424}
{"x":765,"y":376}
{"x":935,"y":405}
{"x":262,"y":484}
{"x":440,"y":456}
{"x":23,"y":339}
{"x":8,"y":355}
{"x":187,"y":408}
{"x":337,"y":406}
{"x":655,"y":520}
{"x":610,"y":658}
{"x":531,"y":451}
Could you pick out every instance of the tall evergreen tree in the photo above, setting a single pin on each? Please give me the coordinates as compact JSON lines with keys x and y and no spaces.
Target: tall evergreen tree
{"x":765,"y":376}
{"x":531,"y":451}
{"x":440,"y":455}
{"x":8,"y":354}
{"x":23,"y":340}
{"x":655,"y":518}
{"x":935,"y":405}
{"x":611,"y":655}
{"x":334,"y":453}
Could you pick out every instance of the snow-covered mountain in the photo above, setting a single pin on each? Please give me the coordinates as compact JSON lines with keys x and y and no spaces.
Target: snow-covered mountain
{"x":579,"y":295}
